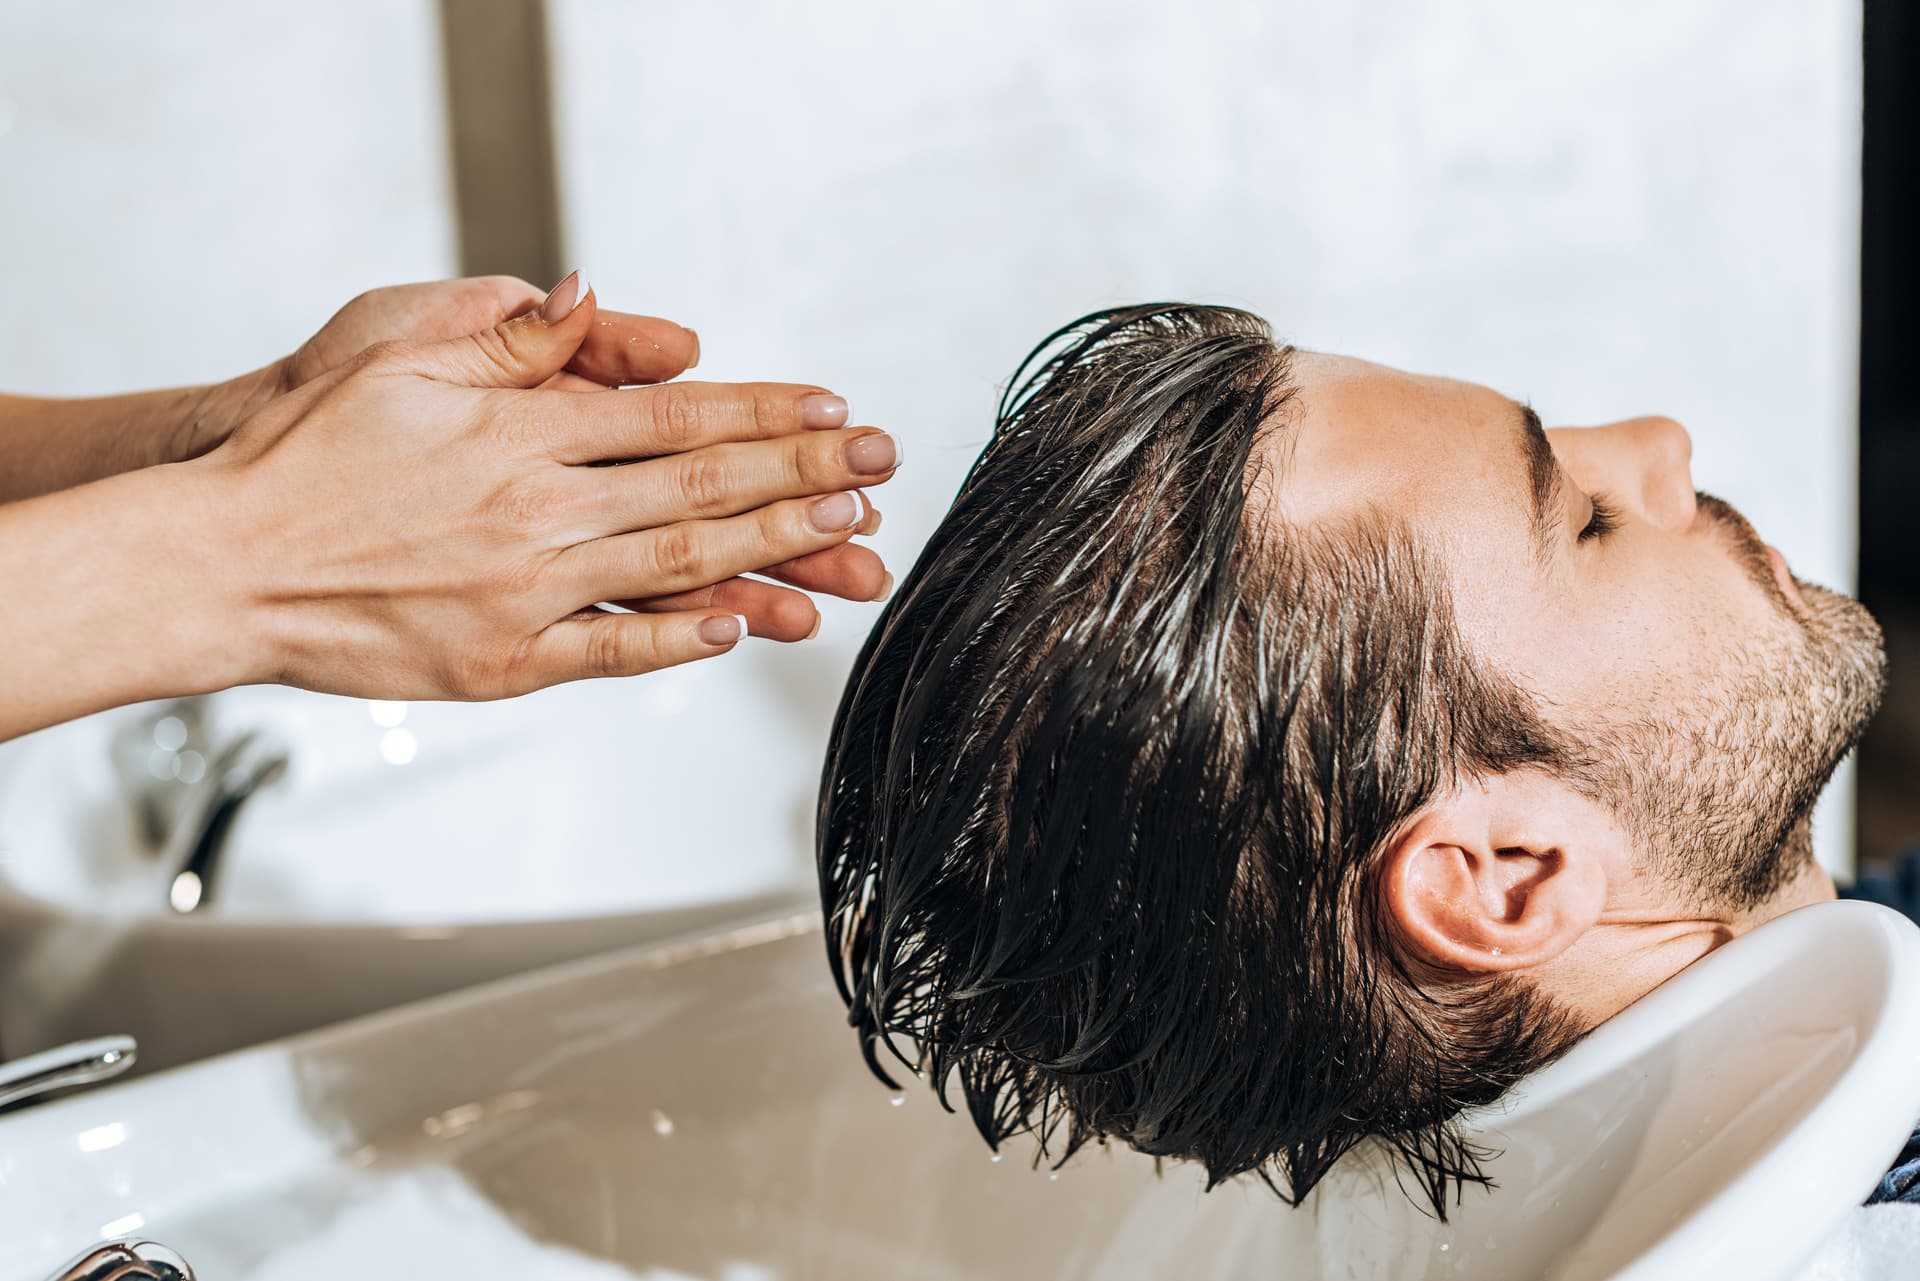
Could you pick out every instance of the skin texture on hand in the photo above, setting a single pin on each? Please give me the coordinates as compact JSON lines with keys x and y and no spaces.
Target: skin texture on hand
{"x":438,"y":518}
{"x":620,"y":349}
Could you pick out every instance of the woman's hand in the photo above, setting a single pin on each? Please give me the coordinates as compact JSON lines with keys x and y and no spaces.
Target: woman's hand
{"x":428,"y":520}
{"x":431,"y":520}
{"x":52,"y":444}
{"x":621,"y":349}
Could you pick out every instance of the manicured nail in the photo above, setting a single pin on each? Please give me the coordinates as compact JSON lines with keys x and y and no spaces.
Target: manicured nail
{"x":823,"y":411}
{"x":565,"y":297}
{"x":886,"y":588}
{"x":872,"y":455}
{"x":723,"y":631}
{"x":696,"y":348}
{"x":834,"y":513}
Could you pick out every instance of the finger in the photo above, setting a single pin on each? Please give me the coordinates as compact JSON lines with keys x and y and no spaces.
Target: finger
{"x":621,"y":349}
{"x":870,"y":523}
{"x":774,"y":612}
{"x":849,"y":571}
{"x":725,"y":480}
{"x":584,"y":646}
{"x":525,"y":351}
{"x":564,"y":381}
{"x":697,"y":553}
{"x":648,"y":422}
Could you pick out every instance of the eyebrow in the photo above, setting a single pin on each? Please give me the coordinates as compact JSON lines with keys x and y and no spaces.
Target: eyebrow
{"x":1543,"y":480}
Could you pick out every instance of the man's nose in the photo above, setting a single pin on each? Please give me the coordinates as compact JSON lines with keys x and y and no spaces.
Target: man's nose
{"x":1645,"y":462}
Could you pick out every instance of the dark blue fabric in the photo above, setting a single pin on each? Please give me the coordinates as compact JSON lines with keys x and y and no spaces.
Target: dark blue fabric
{"x":1902,"y":1182}
{"x":1901,"y":892}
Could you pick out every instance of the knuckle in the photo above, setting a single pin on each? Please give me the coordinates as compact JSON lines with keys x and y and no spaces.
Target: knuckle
{"x":817,"y":462}
{"x":382,"y":356}
{"x":479,"y":677}
{"x":676,"y":553}
{"x":676,"y":418}
{"x":495,"y":347}
{"x":509,"y":293}
{"x":615,"y":650}
{"x":515,"y":418}
{"x":521,"y":506}
{"x":704,"y":483}
{"x":772,"y":416}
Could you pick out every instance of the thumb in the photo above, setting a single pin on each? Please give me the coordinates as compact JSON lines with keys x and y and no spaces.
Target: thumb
{"x":524,"y":351}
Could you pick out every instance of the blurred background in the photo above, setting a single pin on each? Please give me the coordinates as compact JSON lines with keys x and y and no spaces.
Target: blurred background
{"x":1605,"y":210}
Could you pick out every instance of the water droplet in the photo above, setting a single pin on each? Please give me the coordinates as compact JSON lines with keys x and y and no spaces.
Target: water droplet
{"x":997,"y":1156}
{"x":662,"y":1123}
{"x":1496,"y":951}
{"x":1444,"y":1247}
{"x":898,"y":1100}
{"x":1054,"y":1177}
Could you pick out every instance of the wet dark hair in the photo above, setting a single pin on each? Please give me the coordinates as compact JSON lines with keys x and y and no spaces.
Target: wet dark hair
{"x":1111,"y":774}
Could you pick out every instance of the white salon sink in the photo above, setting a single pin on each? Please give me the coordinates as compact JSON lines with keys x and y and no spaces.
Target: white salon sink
{"x":699,"y":1110}
{"x":409,"y":849}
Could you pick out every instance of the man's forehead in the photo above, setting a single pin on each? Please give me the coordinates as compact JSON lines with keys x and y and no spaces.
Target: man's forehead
{"x":1426,"y":448}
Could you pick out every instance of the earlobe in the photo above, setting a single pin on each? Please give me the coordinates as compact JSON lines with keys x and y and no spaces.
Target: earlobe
{"x":1501,"y":874}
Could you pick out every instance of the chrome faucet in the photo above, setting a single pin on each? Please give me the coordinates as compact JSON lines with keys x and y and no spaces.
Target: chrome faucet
{"x":187,"y":791}
{"x":65,"y":1066}
{"x":126,"y":1261}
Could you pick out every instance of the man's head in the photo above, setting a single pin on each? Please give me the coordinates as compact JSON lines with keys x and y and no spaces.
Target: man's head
{"x":1273,"y":751}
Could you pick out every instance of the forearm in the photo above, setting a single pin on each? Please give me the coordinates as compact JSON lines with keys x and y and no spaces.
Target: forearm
{"x":49,"y":444}
{"x":115,"y":592}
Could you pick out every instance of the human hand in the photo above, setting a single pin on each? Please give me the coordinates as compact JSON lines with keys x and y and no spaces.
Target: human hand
{"x":470,"y":442}
{"x":620,"y":349}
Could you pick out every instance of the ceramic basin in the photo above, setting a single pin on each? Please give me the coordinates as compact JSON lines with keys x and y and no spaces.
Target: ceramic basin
{"x":698,"y":1110}
{"x":407,"y":850}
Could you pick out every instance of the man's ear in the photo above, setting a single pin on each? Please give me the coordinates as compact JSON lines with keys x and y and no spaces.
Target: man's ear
{"x":1501,"y":873}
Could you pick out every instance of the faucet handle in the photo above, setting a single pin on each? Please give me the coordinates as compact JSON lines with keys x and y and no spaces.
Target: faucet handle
{"x":80,"y":1063}
{"x":126,"y":1261}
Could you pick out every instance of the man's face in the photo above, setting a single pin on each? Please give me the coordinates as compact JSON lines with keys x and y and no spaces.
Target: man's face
{"x":1716,"y":692}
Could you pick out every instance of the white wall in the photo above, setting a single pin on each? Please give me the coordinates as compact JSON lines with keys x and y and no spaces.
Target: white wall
{"x":189,"y":190}
{"x":1610,"y":209}
{"x":1641,"y":206}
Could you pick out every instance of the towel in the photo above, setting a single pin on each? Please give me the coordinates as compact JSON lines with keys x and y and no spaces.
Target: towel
{"x":1875,"y":1243}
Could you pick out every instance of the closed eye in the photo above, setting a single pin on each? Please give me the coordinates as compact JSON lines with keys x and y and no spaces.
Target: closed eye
{"x":1605,"y":519}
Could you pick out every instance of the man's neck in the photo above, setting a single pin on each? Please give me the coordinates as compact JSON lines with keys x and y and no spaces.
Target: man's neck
{"x":1810,"y":884}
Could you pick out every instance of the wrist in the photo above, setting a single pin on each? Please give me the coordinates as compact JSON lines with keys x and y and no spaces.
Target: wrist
{"x":218,"y":409}
{"x":120,"y":591}
{"x":221,"y":636}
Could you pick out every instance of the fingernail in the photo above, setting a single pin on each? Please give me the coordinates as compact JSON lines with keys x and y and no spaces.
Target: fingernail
{"x":834,"y":513}
{"x":723,"y":631}
{"x":565,"y":297}
{"x":872,"y":455}
{"x":696,"y":348}
{"x":816,"y":628}
{"x":823,"y":411}
{"x":886,"y":588}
